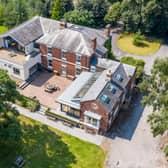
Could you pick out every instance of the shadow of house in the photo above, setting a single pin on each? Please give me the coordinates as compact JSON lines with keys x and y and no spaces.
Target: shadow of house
{"x":40,"y":147}
{"x":43,"y":77}
{"x":127,"y":121}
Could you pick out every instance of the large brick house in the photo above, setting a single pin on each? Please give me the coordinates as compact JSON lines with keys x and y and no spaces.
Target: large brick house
{"x":64,"y":48}
{"x":101,"y":87}
{"x":96,"y":98}
{"x":70,"y":48}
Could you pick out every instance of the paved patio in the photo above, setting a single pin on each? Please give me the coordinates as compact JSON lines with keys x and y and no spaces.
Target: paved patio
{"x":37,"y":88}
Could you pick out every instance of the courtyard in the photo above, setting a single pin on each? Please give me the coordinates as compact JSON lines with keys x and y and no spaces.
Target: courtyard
{"x":37,"y":89}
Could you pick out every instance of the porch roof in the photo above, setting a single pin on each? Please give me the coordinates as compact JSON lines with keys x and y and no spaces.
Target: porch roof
{"x":92,"y":115}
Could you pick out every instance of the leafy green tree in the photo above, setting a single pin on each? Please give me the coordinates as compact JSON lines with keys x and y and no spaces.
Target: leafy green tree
{"x":21,"y":11}
{"x":67,"y":5}
{"x":10,"y":18}
{"x":79,"y":16}
{"x":56,"y":11}
{"x":9,"y":124}
{"x":97,"y":7}
{"x":113,"y":14}
{"x":2,"y":13}
{"x":155,"y":89}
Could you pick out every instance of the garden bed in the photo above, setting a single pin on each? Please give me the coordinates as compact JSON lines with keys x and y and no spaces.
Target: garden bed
{"x":28,"y":103}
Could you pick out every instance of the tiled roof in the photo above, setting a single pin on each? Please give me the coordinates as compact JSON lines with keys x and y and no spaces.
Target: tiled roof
{"x":74,"y":38}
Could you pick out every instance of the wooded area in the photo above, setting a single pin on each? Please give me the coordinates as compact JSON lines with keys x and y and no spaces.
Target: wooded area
{"x":147,"y":16}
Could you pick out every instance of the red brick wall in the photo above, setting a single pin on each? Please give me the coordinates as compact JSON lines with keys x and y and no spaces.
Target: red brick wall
{"x":71,"y":70}
{"x":85,"y":61}
{"x":86,"y":106}
{"x":131,"y":82}
{"x":57,"y":66}
{"x":43,"y":49}
{"x":71,"y":57}
{"x":57,"y":53}
{"x":44,"y":61}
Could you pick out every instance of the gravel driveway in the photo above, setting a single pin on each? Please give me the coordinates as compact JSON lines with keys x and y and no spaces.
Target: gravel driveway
{"x":131,"y":142}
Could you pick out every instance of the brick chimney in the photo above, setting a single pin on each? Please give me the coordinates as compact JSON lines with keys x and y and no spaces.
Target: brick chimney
{"x":63,"y":25}
{"x":94,"y":43}
{"x":107,"y":30}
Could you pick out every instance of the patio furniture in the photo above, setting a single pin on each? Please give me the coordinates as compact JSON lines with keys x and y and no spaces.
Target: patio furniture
{"x":19,"y":161}
{"x":50,"y":87}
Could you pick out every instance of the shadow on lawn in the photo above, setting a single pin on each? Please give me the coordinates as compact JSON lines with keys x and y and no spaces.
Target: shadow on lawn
{"x":127,"y":121}
{"x":40,"y":147}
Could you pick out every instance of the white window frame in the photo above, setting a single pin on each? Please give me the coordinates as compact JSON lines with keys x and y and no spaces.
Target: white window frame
{"x":78,"y":61}
{"x":89,"y":121}
{"x":64,"y":67}
{"x":49,"y":66}
{"x":49,"y":53}
{"x":63,"y":55}
{"x":76,"y":69}
{"x":14,"y":70}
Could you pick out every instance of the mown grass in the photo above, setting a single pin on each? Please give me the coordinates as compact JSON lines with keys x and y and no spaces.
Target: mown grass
{"x":42,"y":146}
{"x":150,"y":45}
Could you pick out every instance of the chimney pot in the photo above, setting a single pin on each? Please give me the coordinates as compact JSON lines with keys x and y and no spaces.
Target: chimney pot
{"x":94,"y":43}
{"x":107,"y":30}
{"x":63,"y":25}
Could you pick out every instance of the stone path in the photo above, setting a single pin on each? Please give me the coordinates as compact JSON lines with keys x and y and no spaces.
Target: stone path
{"x":76,"y":132}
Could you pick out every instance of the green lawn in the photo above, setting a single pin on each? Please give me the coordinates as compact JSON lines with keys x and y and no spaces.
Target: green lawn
{"x":3,"y":29}
{"x":125,"y":43}
{"x":45,"y":147}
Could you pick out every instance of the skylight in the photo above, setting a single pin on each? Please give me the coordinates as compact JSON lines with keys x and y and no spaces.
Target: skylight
{"x":112,"y":89}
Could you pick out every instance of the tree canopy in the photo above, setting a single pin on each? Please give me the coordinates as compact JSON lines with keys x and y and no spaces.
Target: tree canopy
{"x":9,"y":124}
{"x":80,"y":16}
{"x":156,"y":90}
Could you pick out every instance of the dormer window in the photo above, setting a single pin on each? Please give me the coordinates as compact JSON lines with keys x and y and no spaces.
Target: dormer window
{"x":119,"y":77}
{"x":78,"y":58}
{"x":63,"y":55}
{"x":112,"y":89}
{"x":105,"y":99}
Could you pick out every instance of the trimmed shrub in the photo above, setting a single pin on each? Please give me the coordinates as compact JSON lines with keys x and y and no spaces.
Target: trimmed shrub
{"x":138,"y":39}
{"x":28,"y":103}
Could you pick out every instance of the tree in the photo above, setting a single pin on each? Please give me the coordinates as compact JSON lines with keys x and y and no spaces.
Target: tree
{"x":113,"y":14}
{"x":155,"y":89}
{"x":56,"y":11}
{"x":131,"y":14}
{"x":21,"y":11}
{"x":80,"y":16}
{"x":2,"y":13}
{"x":10,"y":18}
{"x":97,"y":7}
{"x":148,"y":16}
{"x":67,"y":5}
{"x":9,"y":124}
